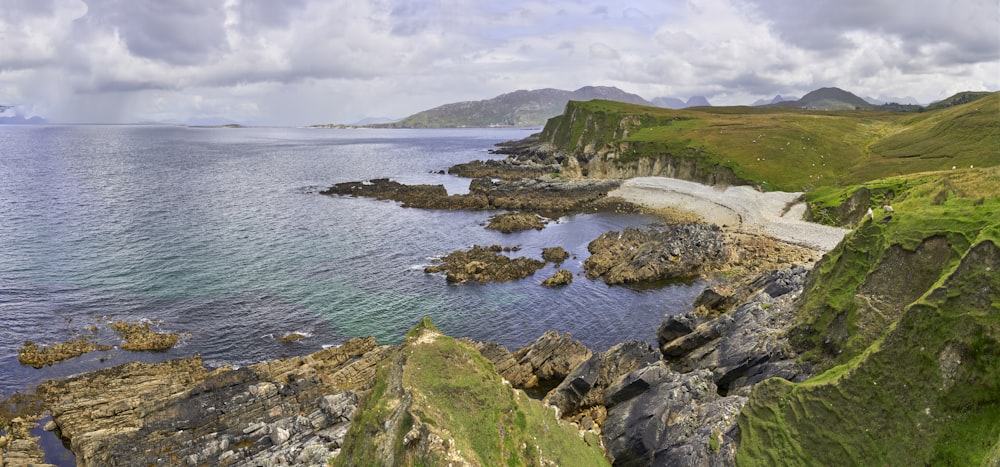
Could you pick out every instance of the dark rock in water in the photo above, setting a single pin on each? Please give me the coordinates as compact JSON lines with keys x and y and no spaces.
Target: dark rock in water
{"x":649,"y":254}
{"x":560,"y":278}
{"x":657,"y":416}
{"x":292,"y":411}
{"x":549,"y":196}
{"x":516,"y":222}
{"x":505,"y":169}
{"x":541,"y":365}
{"x":483,"y":265}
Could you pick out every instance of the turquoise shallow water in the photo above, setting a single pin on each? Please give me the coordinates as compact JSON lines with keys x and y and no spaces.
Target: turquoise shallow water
{"x":219,"y":234}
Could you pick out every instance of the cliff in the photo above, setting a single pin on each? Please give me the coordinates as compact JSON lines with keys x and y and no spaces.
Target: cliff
{"x":772,"y":147}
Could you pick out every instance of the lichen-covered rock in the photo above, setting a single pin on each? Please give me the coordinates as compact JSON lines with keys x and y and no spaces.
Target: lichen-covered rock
{"x":483,"y":265}
{"x":509,"y":222}
{"x":560,"y":278}
{"x":41,"y":356}
{"x":140,"y":336}
{"x":556,"y":254}
{"x":656,"y":253}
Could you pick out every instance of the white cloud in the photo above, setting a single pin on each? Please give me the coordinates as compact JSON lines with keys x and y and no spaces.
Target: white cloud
{"x":307,"y":61}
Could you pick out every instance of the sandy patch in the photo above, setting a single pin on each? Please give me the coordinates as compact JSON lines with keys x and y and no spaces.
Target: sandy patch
{"x":739,"y":208}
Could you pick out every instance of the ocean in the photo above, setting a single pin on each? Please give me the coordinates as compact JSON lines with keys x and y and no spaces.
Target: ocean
{"x":219,"y":234}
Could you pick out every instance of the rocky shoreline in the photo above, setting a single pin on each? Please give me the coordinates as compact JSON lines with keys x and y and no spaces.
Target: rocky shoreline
{"x":299,"y":410}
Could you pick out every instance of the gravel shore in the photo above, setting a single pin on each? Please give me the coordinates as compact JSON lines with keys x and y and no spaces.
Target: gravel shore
{"x":741,"y":208}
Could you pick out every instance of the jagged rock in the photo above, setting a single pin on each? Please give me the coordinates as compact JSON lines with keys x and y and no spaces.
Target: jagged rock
{"x":560,"y":278}
{"x":556,"y":254}
{"x":745,"y":346}
{"x":657,"y":416}
{"x":584,"y":388}
{"x":515,"y":222}
{"x":656,"y":253}
{"x":483,"y":265}
{"x":179,"y":410}
{"x":539,"y":366}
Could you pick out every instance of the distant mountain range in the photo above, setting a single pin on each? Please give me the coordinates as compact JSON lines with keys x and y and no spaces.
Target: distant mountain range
{"x":828,"y":99}
{"x":675,"y":103}
{"x":778,"y":98}
{"x":515,"y":109}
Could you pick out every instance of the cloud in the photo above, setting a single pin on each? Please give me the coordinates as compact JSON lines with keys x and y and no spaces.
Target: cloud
{"x":302,"y":61}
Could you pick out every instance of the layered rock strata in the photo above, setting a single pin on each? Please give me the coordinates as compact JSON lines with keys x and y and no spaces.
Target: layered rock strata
{"x":292,"y":411}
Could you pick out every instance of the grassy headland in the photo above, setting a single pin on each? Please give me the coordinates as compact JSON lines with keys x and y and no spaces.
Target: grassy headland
{"x":781,"y":148}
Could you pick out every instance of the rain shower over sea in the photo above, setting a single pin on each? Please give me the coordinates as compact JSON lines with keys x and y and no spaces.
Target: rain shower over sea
{"x":219,"y":234}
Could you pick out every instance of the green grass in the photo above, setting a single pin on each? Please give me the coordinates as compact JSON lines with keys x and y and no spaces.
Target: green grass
{"x":446,"y":386}
{"x":888,"y":395}
{"x":787,"y":149}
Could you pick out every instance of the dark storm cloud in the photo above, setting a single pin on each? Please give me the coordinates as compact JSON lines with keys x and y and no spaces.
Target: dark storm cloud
{"x":180,"y":32}
{"x":951,"y":32}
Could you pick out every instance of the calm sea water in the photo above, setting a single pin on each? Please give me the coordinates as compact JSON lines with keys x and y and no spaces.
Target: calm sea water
{"x":219,"y":234}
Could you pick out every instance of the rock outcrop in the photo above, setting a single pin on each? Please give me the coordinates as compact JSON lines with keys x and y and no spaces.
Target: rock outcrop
{"x":548,"y":196}
{"x":484,"y":264}
{"x":540,"y":366}
{"x":504,"y":169}
{"x":556,"y":254}
{"x":656,"y":253}
{"x":560,"y":278}
{"x":180,"y":413}
{"x":516,"y":222}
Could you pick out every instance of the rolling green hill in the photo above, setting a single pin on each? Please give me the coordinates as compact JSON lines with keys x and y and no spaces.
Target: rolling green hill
{"x":778,"y":148}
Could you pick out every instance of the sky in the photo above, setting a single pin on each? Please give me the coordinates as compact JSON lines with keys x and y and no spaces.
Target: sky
{"x":301,"y":62}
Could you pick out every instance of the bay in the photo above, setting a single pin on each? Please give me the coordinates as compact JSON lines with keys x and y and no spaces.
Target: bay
{"x":219,"y":234}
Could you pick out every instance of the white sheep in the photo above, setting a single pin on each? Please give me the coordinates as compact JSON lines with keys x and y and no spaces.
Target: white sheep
{"x":870,"y":215}
{"x":888,"y":209}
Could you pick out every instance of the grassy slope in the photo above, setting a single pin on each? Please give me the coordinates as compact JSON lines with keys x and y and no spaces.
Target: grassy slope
{"x":456,"y":393}
{"x":923,"y":388}
{"x":789,"y":149}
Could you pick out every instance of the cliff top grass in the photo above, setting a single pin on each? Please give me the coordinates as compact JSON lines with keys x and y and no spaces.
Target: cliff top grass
{"x":789,"y":149}
{"x":904,"y":317}
{"x":446,"y":403}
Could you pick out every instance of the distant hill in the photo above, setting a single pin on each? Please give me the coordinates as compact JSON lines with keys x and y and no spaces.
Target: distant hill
{"x":515,"y":109}
{"x":374,"y":121}
{"x":778,"y":98}
{"x":828,"y":99}
{"x":958,"y":99}
{"x":675,"y":103}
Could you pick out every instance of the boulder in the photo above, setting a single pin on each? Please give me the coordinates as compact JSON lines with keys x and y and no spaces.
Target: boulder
{"x":540,"y":366}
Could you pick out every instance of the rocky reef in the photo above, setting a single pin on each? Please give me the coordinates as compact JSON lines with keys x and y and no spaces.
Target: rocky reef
{"x":656,"y":253}
{"x":516,"y":222}
{"x":547,"y":196}
{"x":484,"y":264}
